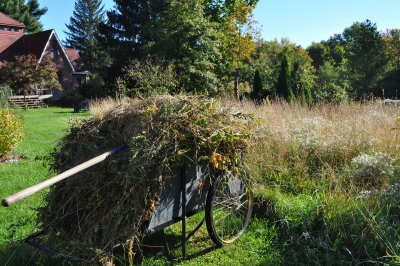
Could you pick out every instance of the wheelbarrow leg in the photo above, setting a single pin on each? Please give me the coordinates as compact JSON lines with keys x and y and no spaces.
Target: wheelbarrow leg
{"x":166,"y":246}
{"x":183,"y":213}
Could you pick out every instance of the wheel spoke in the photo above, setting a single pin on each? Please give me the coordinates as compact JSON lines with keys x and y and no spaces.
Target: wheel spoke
{"x":228,"y":207}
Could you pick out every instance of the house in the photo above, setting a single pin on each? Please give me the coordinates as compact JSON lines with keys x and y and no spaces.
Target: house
{"x":71,"y":70}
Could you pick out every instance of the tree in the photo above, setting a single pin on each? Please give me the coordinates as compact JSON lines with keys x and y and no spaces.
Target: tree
{"x":220,"y":10}
{"x":256,"y":93}
{"x":26,"y":73}
{"x":130,"y":26}
{"x":327,"y":74}
{"x":334,"y":50}
{"x":301,"y":87}
{"x":28,"y":14}
{"x":268,"y":59}
{"x":83,"y":31}
{"x":283,"y":87}
{"x":392,"y":40}
{"x":391,"y":81}
{"x":239,"y":35}
{"x":319,"y":53}
{"x":366,"y":58}
{"x":192,"y":43}
{"x":295,"y":79}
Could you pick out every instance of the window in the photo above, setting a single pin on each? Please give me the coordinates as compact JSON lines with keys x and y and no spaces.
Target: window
{"x":1,"y":28}
{"x":9,"y":29}
{"x":16,"y":30}
{"x":53,"y":49}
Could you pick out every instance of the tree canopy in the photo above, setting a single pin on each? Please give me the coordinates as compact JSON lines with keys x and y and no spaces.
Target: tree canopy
{"x":26,"y":72}
{"x":366,"y":57}
{"x":83,"y":31}
{"x":208,"y":45}
{"x":191,"y":42}
{"x":27,"y":13}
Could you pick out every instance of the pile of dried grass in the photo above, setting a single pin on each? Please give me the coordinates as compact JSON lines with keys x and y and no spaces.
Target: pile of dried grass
{"x":112,"y":201}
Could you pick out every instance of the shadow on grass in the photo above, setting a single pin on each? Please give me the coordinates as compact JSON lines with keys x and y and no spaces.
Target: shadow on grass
{"x":70,"y":112}
{"x":23,"y":254}
{"x":151,"y":249}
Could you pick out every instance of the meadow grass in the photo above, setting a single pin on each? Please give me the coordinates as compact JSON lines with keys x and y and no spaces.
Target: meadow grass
{"x":326,"y":179}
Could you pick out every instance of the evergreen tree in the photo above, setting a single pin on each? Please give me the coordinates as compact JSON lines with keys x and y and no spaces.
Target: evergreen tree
{"x":28,"y":14}
{"x":295,"y":79}
{"x":256,"y":94}
{"x":283,"y":88}
{"x":125,"y":33}
{"x":83,"y":31}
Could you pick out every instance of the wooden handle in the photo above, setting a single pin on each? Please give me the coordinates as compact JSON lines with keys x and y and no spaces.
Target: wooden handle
{"x":33,"y":189}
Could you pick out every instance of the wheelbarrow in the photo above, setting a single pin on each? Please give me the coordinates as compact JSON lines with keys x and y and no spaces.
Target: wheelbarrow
{"x":225,"y":195}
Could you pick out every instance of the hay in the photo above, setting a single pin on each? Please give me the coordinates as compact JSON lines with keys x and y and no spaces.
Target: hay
{"x":114,"y":200}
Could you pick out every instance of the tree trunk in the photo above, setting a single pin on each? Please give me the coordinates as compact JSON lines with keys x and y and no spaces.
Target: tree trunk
{"x":236,"y":89}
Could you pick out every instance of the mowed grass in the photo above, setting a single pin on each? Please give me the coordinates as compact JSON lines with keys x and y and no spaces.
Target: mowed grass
{"x":42,"y":129}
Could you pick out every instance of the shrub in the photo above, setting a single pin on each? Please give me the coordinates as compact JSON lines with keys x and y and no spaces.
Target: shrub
{"x":5,"y":92}
{"x":148,"y":77}
{"x":371,"y":170}
{"x":332,"y":93}
{"x":70,"y":99}
{"x":95,"y":88}
{"x":10,"y":131}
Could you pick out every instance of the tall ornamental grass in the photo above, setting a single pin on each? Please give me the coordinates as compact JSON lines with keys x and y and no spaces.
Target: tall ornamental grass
{"x":328,"y":176}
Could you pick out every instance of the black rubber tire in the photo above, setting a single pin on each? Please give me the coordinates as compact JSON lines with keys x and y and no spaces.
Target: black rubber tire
{"x":228,"y":206}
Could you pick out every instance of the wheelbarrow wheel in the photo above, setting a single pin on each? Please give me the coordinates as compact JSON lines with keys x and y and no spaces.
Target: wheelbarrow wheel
{"x":228,"y":205}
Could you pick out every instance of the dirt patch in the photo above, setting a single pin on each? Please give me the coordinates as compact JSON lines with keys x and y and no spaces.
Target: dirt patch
{"x":11,"y":158}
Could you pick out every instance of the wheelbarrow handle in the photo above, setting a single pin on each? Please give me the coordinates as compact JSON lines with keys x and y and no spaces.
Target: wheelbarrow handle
{"x":33,"y":189}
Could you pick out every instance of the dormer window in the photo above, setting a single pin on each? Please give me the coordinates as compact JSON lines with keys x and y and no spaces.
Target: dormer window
{"x":2,"y":28}
{"x":53,"y":49}
{"x":9,"y":29}
{"x":16,"y":29}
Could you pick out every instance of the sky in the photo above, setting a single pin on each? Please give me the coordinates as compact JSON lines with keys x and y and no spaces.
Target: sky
{"x":302,"y":22}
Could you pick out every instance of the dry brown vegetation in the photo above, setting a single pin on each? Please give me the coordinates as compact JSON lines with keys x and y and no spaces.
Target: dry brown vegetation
{"x":328,"y":134}
{"x":113,"y":202}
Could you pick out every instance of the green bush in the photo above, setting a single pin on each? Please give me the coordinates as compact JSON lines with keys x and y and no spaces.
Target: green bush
{"x":70,"y":99}
{"x":332,"y":93}
{"x":10,"y":131}
{"x":148,"y":77}
{"x":96,"y":88}
{"x":371,"y":170}
{"x":5,"y":92}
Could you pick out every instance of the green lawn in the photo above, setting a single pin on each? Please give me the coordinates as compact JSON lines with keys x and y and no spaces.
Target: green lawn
{"x":42,"y":129}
